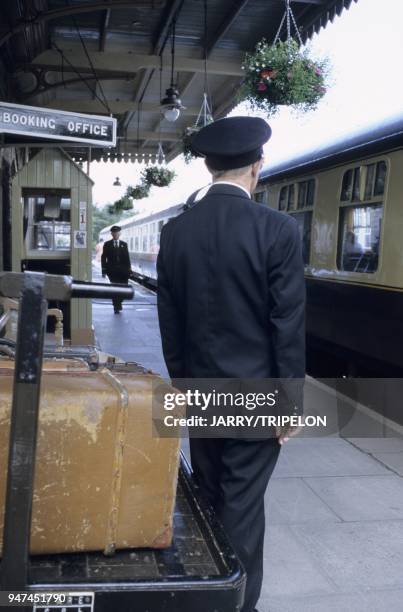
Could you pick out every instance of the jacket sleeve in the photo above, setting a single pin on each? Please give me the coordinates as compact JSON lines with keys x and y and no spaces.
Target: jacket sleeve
{"x":104,"y":259}
{"x":127,"y":257}
{"x":286,"y":285}
{"x":170,"y":320}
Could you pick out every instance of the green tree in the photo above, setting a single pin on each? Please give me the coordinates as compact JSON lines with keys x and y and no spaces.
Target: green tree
{"x":107,"y":215}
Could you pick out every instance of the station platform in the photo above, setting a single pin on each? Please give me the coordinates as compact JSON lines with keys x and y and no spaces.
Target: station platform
{"x":334,"y":506}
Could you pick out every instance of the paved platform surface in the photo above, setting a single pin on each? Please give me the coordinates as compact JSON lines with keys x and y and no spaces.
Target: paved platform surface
{"x":334,"y":506}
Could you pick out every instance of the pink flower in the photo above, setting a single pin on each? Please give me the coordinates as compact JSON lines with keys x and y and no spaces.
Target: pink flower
{"x":318,"y":71}
{"x":290,"y":74}
{"x":261,"y":86}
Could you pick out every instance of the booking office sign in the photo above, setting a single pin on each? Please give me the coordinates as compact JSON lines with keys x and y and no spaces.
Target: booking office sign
{"x":57,"y":125}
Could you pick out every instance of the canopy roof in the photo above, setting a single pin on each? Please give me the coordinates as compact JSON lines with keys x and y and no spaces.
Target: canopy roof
{"x":104,"y":56}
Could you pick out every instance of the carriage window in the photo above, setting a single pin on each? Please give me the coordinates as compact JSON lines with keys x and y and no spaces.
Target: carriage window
{"x":304,"y":220}
{"x":282,"y":205}
{"x":369,"y":182}
{"x":347,"y":187}
{"x":260,"y":197}
{"x":380,"y":178}
{"x":356,"y":184}
{"x":291,"y":197}
{"x":302,"y":188}
{"x":359,"y":238}
{"x":306,"y":192}
{"x":311,"y":192}
{"x":375,"y":179}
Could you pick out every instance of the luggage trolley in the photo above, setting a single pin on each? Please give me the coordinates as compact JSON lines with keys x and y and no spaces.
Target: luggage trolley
{"x":199,"y":572}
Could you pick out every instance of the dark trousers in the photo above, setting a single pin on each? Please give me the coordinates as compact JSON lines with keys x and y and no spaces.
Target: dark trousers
{"x":120,"y":278}
{"x":233,"y":476}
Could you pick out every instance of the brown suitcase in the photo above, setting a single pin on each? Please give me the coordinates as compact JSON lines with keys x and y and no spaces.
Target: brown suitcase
{"x":102,"y":480}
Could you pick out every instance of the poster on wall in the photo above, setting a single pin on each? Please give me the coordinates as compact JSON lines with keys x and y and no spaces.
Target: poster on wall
{"x":83,"y":216}
{"x":80,"y":239}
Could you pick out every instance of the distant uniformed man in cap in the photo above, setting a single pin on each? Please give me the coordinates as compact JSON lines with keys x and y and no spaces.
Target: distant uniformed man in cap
{"x":115,"y":262}
{"x":231,"y":304}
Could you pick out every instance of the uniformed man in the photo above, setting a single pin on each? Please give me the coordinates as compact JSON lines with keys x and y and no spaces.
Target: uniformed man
{"x":115,"y":262}
{"x":231,"y":304}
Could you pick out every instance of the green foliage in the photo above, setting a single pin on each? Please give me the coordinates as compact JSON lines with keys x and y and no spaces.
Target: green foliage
{"x":102,"y":217}
{"x":124,"y":203}
{"x":138,"y":192}
{"x":188,"y":152}
{"x":160,"y":176}
{"x":282,"y":74}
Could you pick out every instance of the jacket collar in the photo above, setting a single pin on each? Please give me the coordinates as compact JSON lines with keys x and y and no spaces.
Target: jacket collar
{"x":222,"y":187}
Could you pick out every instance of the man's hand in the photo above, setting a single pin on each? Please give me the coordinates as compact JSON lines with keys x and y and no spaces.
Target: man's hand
{"x":286,"y":432}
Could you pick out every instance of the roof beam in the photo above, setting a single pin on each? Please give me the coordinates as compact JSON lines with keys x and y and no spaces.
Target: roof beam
{"x":103,"y":29}
{"x":87,"y":7}
{"x":118,"y":107}
{"x":226,"y":24}
{"x":129,"y":63}
{"x":152,"y":135}
{"x":160,"y":37}
{"x":223,"y":28}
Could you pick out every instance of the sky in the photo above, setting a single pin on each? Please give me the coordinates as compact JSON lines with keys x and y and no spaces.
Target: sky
{"x":364,"y":47}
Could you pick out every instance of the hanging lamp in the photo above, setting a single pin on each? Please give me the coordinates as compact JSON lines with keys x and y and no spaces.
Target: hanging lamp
{"x":171,"y":104}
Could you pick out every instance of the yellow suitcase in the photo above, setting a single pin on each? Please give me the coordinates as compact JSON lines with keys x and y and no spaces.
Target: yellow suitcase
{"x":102,"y":480}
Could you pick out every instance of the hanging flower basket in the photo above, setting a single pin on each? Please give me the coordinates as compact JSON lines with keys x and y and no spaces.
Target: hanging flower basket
{"x":139,"y":192}
{"x":281,"y":74}
{"x":159,"y":176}
{"x":123,"y":204}
{"x":203,"y":118}
{"x":188,"y":152}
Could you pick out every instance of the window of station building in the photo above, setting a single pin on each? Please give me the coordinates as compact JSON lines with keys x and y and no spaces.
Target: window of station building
{"x":131,"y":243}
{"x":136,"y":244}
{"x":359,"y":238}
{"x":373,"y":177}
{"x":46,"y":221}
{"x":144,"y":244}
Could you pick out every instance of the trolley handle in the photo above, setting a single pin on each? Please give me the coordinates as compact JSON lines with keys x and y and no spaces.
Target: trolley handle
{"x":101,"y":290}
{"x":63,"y":288}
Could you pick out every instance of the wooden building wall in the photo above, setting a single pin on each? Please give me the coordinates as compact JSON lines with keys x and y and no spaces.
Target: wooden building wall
{"x":53,"y":168}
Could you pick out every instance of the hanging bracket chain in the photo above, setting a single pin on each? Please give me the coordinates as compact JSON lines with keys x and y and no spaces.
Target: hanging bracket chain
{"x":288,"y":17}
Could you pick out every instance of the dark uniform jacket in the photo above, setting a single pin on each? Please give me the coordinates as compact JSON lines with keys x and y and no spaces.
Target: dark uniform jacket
{"x":231,"y":291}
{"x":115,"y":261}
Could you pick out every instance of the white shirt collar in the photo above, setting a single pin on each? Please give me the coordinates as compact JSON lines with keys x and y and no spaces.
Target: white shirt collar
{"x":205,"y":189}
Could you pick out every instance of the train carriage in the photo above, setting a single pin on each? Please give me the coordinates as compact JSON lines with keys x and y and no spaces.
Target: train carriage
{"x":347,"y":200}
